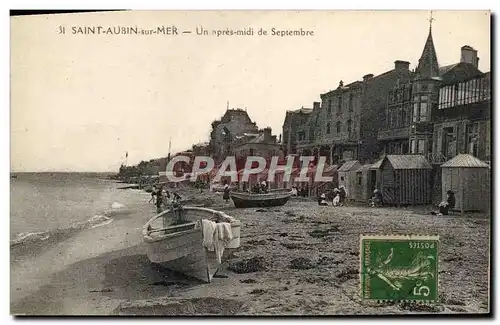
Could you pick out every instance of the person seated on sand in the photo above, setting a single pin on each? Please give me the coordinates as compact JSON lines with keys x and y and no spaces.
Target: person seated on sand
{"x":376,"y":199}
{"x":336,"y":199}
{"x":322,"y":200}
{"x":294,"y":191}
{"x":446,"y":205}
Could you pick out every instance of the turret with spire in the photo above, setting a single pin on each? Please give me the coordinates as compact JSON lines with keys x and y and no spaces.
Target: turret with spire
{"x":428,"y":66}
{"x":425,"y":94}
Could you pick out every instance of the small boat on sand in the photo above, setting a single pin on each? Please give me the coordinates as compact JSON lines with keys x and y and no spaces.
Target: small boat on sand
{"x":253,"y":200}
{"x":174,"y":240}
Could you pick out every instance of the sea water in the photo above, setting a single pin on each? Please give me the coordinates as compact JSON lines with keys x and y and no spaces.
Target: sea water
{"x":44,"y":203}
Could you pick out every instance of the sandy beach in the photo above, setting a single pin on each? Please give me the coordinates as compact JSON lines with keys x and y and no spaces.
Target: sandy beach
{"x":298,"y":259}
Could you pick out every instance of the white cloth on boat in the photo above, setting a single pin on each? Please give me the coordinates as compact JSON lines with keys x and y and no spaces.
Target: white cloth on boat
{"x":216,"y":236}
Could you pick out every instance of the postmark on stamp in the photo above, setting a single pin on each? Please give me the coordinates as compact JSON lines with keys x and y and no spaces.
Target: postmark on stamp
{"x":399,"y":267}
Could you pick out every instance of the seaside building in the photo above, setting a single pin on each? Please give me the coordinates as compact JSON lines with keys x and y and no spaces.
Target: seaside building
{"x":294,"y":131}
{"x":263,"y":144}
{"x":441,"y":112}
{"x":345,"y":124}
{"x":234,"y":122}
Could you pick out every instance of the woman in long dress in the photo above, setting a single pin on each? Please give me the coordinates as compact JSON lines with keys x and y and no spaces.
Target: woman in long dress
{"x":225,"y":196}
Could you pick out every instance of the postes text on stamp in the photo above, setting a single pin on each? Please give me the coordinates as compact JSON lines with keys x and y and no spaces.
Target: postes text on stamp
{"x":399,"y":267}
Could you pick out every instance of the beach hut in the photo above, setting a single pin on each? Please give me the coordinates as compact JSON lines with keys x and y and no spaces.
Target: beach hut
{"x":403,"y":179}
{"x":345,"y":176}
{"x":362,"y":185}
{"x":469,"y":178}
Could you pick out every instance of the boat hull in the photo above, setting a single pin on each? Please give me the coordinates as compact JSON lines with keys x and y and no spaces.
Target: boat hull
{"x":241,"y":200}
{"x":180,"y":248}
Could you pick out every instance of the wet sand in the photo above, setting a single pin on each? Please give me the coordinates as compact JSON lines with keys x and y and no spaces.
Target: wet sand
{"x":301,"y":259}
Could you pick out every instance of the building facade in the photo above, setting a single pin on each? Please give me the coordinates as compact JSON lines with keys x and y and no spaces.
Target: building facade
{"x":295,"y":120}
{"x":235,"y":122}
{"x":463,"y":117}
{"x":441,"y":112}
{"x":345,"y":125}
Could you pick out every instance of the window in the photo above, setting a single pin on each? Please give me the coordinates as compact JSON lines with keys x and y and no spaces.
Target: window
{"x":420,"y":108}
{"x":421,"y":146}
{"x":471,"y":91}
{"x":351,"y":103}
{"x":302,"y":136}
{"x":329,"y":105}
{"x":404,"y":148}
{"x":448,"y":146}
{"x":415,"y":112}
{"x":338,"y":127}
{"x":328,"y":128}
{"x":413,"y":148}
{"x":472,"y":133}
{"x":423,"y":111}
{"x":349,"y":126}
{"x":403,"y":118}
{"x":339,"y":108}
{"x":359,"y":176}
{"x":342,"y":178}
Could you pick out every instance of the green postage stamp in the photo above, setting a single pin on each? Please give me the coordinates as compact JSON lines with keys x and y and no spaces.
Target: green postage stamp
{"x":399,"y":267}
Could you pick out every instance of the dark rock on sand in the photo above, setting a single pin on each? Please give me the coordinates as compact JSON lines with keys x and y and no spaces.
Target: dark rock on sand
{"x":292,"y":245}
{"x":256,"y":242}
{"x":347,"y":275}
{"x":301,"y":263}
{"x":254,"y":264}
{"x":319,"y":233}
{"x":420,"y":307}
{"x":258,"y":291}
{"x":248,"y":281}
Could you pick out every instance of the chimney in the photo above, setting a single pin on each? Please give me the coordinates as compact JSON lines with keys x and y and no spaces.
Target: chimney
{"x":401,"y":65}
{"x":368,"y":77}
{"x":316,"y":105}
{"x":469,"y":55}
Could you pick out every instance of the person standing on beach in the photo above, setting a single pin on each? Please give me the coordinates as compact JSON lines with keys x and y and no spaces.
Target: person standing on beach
{"x":343,"y":195}
{"x":159,"y":200}
{"x":225,"y":196}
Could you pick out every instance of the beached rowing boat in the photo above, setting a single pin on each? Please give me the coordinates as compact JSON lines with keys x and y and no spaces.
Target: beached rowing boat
{"x":252,"y":200}
{"x":174,"y":240}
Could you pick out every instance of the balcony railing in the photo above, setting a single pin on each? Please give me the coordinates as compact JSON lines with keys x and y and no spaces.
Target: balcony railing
{"x":436,"y":158}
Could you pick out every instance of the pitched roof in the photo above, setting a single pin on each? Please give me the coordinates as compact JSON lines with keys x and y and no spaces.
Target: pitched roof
{"x":447,"y":68}
{"x":364,"y":167}
{"x":404,"y":162}
{"x":428,"y":64}
{"x":348,"y":165}
{"x":465,"y":161}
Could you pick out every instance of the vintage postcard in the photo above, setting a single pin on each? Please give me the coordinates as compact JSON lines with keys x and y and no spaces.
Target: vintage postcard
{"x":250,"y":163}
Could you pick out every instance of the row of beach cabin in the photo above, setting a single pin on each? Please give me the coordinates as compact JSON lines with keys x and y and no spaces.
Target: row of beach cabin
{"x":401,"y":179}
{"x":409,"y":179}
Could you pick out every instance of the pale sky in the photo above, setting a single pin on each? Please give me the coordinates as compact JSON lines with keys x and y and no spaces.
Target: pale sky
{"x":79,"y":102}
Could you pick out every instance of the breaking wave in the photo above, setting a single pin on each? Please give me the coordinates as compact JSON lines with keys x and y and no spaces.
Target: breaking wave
{"x":95,"y":221}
